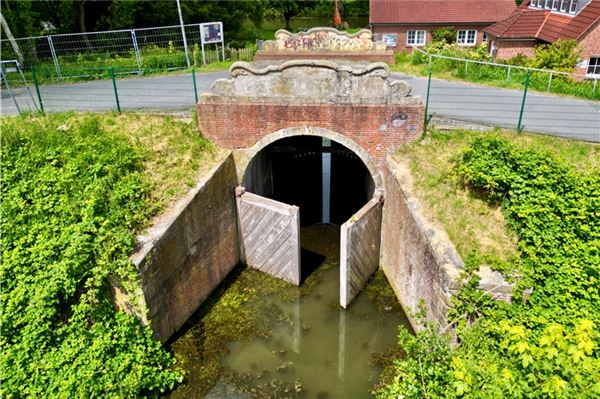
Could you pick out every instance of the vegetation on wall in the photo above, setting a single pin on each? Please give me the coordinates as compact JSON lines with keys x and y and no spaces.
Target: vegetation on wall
{"x":75,"y":191}
{"x":544,"y":344}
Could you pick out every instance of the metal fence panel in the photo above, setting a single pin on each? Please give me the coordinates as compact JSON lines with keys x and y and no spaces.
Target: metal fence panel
{"x":17,"y":95}
{"x":560,"y":116}
{"x":156,"y":94}
{"x":532,"y":100}
{"x":131,"y":50}
{"x":94,"y":96}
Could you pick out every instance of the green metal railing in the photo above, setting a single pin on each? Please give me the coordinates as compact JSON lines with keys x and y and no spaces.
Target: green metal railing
{"x":466,"y":93}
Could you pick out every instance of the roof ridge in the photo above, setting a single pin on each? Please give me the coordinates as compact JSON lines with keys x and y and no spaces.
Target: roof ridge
{"x":542,"y":25}
{"x":514,"y":21}
{"x":597,"y":20}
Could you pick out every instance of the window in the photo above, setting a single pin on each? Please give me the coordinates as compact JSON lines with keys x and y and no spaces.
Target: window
{"x":573,"y":6}
{"x":466,"y":37}
{"x":594,"y":66}
{"x":484,"y":37}
{"x":564,"y":4}
{"x":416,"y":37}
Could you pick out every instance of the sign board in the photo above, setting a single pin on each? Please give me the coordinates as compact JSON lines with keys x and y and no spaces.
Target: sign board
{"x":390,"y":39}
{"x":212,"y":33}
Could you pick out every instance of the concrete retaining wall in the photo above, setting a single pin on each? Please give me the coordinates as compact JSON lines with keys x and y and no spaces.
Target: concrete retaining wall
{"x":186,"y":254}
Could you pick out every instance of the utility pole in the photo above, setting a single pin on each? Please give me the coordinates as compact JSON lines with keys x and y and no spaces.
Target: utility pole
{"x":11,"y":39}
{"x":185,"y":47}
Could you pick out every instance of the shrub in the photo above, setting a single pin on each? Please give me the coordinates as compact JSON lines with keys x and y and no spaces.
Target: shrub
{"x":546,"y":346}
{"x":446,"y":35}
{"x":558,"y":56}
{"x":73,"y":196}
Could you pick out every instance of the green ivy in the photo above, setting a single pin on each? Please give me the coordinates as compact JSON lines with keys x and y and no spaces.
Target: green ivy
{"x":543,"y":345}
{"x":73,"y":196}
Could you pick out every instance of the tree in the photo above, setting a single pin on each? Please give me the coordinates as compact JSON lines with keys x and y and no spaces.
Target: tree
{"x":291,"y":8}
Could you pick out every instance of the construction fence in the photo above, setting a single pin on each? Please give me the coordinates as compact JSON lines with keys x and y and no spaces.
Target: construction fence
{"x":130,"y":50}
{"x":463,"y":91}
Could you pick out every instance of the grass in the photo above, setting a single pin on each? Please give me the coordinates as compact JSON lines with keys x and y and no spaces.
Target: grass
{"x":174,"y":154}
{"x":154,"y":61}
{"x":480,"y":232}
{"x":493,"y":76}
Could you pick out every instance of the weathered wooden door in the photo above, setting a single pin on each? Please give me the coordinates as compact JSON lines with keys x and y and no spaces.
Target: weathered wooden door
{"x":269,"y":235}
{"x":360,"y":240}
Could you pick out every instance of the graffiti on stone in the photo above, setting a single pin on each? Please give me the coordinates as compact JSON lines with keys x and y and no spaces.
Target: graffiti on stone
{"x":323,"y":39}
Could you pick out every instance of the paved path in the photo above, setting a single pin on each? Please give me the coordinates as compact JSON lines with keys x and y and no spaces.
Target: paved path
{"x":559,"y":116}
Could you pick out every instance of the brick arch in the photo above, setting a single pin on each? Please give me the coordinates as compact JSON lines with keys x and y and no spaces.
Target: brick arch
{"x":339,"y":138}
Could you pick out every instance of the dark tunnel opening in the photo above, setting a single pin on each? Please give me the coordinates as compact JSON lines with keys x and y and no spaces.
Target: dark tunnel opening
{"x":326,"y":180}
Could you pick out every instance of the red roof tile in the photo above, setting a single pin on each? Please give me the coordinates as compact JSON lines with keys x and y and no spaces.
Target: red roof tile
{"x":522,"y":24}
{"x":439,"y":11}
{"x":544,"y":24}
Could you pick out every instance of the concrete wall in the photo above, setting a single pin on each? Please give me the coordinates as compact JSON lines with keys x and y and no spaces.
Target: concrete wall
{"x":373,"y":56}
{"x":324,"y":44}
{"x":186,"y":253}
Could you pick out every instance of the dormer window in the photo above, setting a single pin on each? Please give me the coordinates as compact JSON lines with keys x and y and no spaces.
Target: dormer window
{"x":563,"y":6}
{"x":573,"y":6}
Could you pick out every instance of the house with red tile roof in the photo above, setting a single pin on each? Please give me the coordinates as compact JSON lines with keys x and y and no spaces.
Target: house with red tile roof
{"x":537,"y":22}
{"x":404,"y":24}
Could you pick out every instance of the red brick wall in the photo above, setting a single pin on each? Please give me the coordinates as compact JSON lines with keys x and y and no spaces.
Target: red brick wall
{"x":241,"y":125}
{"x":507,"y":49}
{"x":589,"y":46}
{"x":401,"y":30}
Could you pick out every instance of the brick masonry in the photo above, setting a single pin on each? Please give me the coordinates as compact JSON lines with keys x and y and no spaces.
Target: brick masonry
{"x":401,"y":31}
{"x":589,"y":45}
{"x":186,"y":254}
{"x":507,"y":49}
{"x":372,"y":126}
{"x":417,"y":269}
{"x":418,"y":258}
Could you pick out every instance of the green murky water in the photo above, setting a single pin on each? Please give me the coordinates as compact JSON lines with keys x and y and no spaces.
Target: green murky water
{"x":258,"y":337}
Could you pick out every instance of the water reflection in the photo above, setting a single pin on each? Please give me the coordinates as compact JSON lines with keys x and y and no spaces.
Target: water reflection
{"x":314,"y":348}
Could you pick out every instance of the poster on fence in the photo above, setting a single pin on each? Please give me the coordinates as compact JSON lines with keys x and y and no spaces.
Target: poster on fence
{"x":212,"y":32}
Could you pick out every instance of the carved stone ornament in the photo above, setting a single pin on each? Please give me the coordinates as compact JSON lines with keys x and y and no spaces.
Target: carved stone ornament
{"x":311,"y":81}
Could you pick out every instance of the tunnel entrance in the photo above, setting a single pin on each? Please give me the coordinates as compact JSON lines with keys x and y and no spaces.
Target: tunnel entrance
{"x":327,"y":181}
{"x":300,"y":181}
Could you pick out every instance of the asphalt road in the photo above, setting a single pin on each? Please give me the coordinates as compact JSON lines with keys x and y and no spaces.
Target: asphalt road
{"x":548,"y":114}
